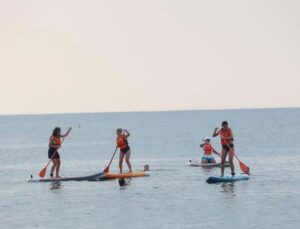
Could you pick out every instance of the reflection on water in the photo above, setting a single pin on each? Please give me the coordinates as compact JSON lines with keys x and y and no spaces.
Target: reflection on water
{"x":227,"y":188}
{"x":55,"y":185}
{"x":124,"y":182}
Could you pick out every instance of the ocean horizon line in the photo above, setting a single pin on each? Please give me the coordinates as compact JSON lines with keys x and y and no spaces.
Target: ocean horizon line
{"x":149,"y":111}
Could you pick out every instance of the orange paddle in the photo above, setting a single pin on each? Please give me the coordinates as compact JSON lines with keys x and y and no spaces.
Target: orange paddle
{"x":106,"y":170}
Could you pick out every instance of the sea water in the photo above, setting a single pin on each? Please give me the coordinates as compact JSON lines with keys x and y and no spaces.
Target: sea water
{"x":175,"y":195}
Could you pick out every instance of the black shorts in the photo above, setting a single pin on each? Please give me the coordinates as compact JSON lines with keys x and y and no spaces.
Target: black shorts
{"x":227,"y":148}
{"x":51,"y":151}
{"x":125,"y":150}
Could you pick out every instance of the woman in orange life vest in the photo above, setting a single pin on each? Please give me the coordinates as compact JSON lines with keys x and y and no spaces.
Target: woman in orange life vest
{"x":54,"y":145}
{"x":122,"y":143}
{"x":208,"y":150}
{"x":227,"y":146}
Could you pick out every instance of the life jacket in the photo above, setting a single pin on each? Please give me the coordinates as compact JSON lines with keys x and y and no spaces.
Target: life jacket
{"x":227,"y":134}
{"x":55,"y":140}
{"x":207,"y":148}
{"x":122,"y":142}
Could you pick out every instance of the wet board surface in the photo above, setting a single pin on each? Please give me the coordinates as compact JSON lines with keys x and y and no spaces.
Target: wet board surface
{"x":228,"y":178}
{"x":78,"y":178}
{"x":197,"y":163}
{"x":125,"y":175}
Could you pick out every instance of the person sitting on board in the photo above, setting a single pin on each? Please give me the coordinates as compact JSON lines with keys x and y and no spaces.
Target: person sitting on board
{"x":208,"y":150}
{"x":54,"y":145}
{"x":146,"y":168}
{"x":227,"y":146}
{"x":124,"y":182}
{"x":122,"y":143}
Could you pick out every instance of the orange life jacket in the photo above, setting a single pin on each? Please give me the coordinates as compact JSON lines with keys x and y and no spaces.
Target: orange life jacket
{"x":207,"y":148}
{"x":122,"y":142}
{"x":227,"y":134}
{"x":55,"y":140}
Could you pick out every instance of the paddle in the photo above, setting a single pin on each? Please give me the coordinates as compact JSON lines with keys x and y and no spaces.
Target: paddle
{"x":243,"y":166}
{"x":106,"y":170}
{"x":44,"y":170}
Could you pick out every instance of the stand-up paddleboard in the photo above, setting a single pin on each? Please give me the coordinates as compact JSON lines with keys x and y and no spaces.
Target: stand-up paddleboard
{"x":82,"y":178}
{"x":197,"y":163}
{"x":108,"y":176}
{"x":228,"y":178}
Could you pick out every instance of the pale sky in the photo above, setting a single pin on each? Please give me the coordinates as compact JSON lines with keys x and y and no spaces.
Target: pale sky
{"x":63,"y":56}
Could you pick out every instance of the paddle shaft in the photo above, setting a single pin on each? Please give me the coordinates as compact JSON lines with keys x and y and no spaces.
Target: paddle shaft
{"x":230,"y":148}
{"x":107,"y":168}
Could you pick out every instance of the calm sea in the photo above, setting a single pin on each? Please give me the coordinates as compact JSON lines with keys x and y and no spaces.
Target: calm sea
{"x":175,"y":195}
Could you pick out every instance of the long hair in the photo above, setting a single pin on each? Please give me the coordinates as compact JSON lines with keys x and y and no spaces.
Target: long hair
{"x":56,"y":132}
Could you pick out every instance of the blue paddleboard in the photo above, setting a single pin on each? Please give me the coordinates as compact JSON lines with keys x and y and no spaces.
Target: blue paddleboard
{"x":228,"y":178}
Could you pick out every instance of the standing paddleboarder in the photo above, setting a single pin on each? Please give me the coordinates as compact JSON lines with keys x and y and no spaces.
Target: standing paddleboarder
{"x":122,"y":143}
{"x":54,"y":144}
{"x":227,"y":146}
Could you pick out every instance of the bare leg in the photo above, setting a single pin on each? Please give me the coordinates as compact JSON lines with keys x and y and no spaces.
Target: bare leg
{"x":57,"y":168}
{"x":231,"y":153}
{"x":53,"y":166}
{"x":127,"y":160}
{"x":223,"y":158}
{"x":121,"y":161}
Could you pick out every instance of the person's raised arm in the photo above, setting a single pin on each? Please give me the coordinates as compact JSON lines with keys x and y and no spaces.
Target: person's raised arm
{"x":216,"y":132}
{"x":67,"y":133}
{"x":127,"y":133}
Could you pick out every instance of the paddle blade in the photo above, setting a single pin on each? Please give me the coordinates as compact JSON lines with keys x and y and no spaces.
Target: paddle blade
{"x":244,"y":168}
{"x":43,"y":172}
{"x":106,"y":170}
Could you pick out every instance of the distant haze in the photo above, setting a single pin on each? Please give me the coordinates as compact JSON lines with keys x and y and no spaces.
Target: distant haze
{"x":66,"y":56}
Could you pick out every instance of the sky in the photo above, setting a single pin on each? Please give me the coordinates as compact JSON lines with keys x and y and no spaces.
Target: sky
{"x":74,"y":56}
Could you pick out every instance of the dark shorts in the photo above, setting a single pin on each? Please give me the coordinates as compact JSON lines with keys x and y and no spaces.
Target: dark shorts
{"x":51,"y":151}
{"x":125,"y":150}
{"x":227,"y":148}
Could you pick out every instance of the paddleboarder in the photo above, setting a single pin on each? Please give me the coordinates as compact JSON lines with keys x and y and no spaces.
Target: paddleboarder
{"x":54,"y":144}
{"x":207,"y":152}
{"x":227,"y":139}
{"x":122,"y":143}
{"x":146,"y":168}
